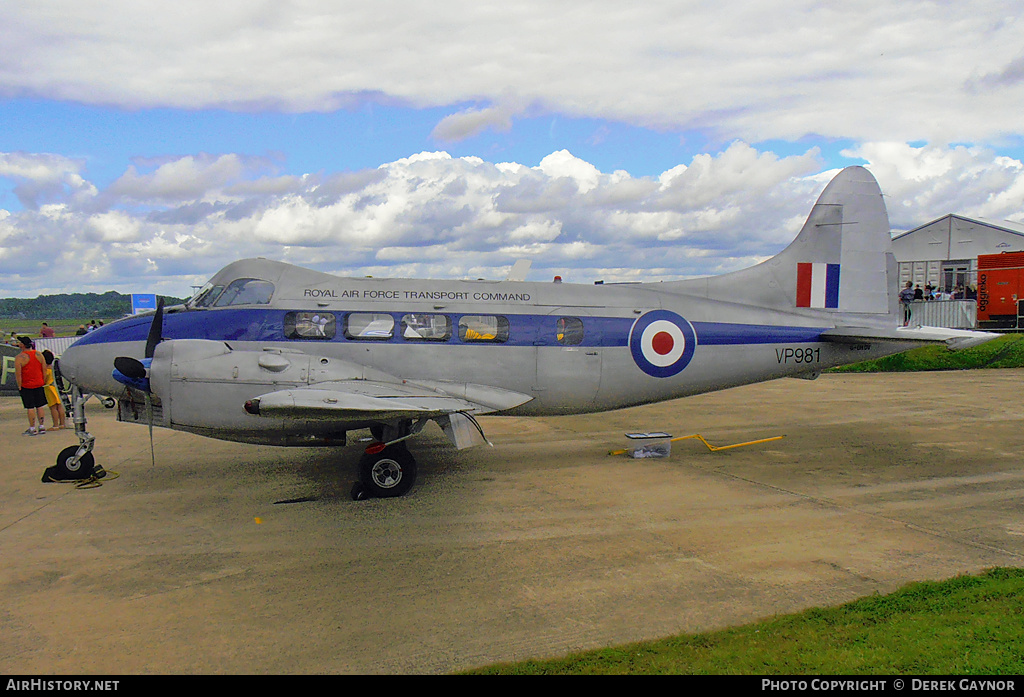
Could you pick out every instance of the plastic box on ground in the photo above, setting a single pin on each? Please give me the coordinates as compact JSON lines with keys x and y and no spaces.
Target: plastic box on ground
{"x":645,"y":445}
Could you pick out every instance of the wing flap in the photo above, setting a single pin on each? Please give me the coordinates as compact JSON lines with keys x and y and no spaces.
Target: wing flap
{"x":485,"y":397}
{"x":357,"y":400}
{"x":382,"y":401}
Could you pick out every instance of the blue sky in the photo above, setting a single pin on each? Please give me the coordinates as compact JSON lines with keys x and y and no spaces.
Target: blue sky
{"x":142,"y":150}
{"x":108,"y":138}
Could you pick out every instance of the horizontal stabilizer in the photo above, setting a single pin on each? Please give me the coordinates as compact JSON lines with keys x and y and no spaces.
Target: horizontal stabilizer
{"x":955,"y":339}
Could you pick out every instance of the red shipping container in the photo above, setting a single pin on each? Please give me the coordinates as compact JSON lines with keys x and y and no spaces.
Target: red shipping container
{"x":1000,"y":284}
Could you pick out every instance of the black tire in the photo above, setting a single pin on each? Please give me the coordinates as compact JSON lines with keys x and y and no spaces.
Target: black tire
{"x":389,"y":473}
{"x":67,"y":468}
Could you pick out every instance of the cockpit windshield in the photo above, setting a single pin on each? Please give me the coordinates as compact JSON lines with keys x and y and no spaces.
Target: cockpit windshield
{"x":245,"y":291}
{"x":241,"y":291}
{"x":206,"y":295}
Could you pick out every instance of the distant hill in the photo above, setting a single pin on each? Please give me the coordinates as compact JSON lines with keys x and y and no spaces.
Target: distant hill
{"x":71,"y":306}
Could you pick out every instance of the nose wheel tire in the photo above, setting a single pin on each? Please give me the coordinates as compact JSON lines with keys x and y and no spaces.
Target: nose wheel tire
{"x":68,"y":469}
{"x":389,"y":473}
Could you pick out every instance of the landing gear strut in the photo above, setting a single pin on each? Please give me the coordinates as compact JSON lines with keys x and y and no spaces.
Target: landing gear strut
{"x":77,"y":461}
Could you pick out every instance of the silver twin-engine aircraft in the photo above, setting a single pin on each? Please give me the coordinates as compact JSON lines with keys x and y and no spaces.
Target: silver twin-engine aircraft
{"x":273,"y":353}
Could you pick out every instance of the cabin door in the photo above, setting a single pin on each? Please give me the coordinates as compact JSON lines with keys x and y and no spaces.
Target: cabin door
{"x":568,"y":348}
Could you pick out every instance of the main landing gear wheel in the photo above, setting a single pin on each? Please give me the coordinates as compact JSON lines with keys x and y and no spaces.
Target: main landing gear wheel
{"x":386,"y":474}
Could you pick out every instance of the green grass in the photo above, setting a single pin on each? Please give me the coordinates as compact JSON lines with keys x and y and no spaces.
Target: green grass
{"x":30,"y":327}
{"x":1005,"y":352}
{"x":969,"y":625}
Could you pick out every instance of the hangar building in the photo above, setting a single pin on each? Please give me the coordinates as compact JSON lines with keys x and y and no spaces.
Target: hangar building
{"x":945,"y":251}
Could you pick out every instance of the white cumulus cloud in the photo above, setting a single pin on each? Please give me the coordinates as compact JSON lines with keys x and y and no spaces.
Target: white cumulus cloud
{"x":870,"y":70}
{"x":433,"y":215}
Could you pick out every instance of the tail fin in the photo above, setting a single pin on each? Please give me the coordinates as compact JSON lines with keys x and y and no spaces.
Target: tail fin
{"x":841,"y":261}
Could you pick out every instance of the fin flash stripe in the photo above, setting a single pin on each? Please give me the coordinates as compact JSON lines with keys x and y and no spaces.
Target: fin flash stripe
{"x":817,"y":285}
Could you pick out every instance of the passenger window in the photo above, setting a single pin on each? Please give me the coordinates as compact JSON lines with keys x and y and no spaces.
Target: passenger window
{"x":483,"y":328}
{"x":246,"y":291}
{"x":426,"y":327}
{"x":310,"y":325}
{"x":569,"y":331}
{"x":369,"y":325}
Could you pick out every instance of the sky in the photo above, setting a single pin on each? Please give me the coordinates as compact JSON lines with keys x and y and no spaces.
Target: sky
{"x":144,"y":145}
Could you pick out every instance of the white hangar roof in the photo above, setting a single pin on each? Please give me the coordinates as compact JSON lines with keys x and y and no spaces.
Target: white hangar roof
{"x":958,"y":237}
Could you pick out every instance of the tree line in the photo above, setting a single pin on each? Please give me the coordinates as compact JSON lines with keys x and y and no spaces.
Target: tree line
{"x":72,"y":306}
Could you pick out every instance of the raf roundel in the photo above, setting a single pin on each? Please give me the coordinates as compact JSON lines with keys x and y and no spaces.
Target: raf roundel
{"x":662,"y":343}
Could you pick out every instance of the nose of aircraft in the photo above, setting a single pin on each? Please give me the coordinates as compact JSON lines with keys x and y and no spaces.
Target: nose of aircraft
{"x":84,"y":365}
{"x":89,"y":362}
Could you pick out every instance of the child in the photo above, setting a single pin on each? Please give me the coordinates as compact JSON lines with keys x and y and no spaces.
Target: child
{"x":52,"y":396}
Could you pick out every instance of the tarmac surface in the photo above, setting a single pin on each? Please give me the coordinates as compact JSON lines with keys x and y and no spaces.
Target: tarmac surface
{"x":538,"y":547}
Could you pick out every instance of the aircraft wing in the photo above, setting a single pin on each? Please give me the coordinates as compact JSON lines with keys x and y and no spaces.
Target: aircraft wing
{"x":955,"y":339}
{"x":385,"y":401}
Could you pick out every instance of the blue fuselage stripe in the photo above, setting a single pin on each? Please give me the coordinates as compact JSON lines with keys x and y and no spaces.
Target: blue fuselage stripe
{"x":267,"y":325}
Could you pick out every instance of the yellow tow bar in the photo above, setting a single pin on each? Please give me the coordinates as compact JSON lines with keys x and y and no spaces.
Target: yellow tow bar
{"x":712,"y":448}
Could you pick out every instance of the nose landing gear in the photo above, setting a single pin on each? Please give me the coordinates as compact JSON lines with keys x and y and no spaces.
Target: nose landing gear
{"x":76,"y":461}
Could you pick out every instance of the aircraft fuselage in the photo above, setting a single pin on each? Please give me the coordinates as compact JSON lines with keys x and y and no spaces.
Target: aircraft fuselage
{"x":570,"y":348}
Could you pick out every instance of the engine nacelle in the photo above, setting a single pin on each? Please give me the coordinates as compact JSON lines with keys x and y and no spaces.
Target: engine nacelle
{"x":202,"y":386}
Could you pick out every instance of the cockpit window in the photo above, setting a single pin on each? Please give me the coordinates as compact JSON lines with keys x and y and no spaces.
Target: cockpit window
{"x":246,"y":291}
{"x":206,"y":295}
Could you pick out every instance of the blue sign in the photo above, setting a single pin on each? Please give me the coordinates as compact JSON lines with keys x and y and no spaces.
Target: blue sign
{"x":142,"y":302}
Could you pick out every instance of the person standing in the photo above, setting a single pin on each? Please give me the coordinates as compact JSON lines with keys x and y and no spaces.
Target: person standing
{"x":52,"y":395}
{"x":46,"y":331}
{"x":30,"y":372}
{"x":907,"y":297}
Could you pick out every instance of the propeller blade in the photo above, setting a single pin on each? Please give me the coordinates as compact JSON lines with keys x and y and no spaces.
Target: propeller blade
{"x":155,"y":329}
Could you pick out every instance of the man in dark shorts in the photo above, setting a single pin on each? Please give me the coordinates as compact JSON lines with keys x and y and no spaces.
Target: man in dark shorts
{"x":30,"y":372}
